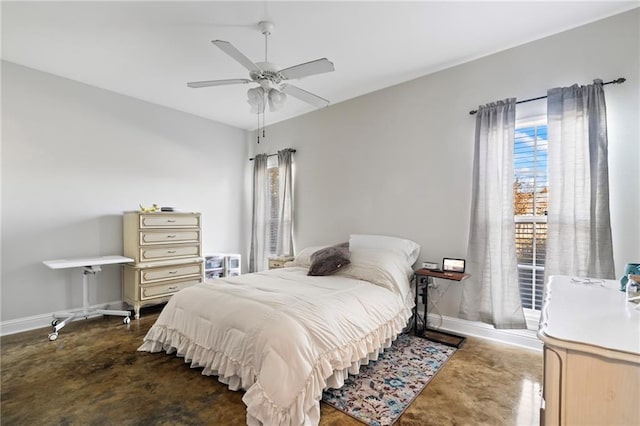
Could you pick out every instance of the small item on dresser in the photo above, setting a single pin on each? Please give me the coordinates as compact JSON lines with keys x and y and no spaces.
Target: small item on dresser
{"x":166,"y":209}
{"x":279,"y":261}
{"x":153,"y":208}
{"x":630,"y":268}
{"x":633,"y":288}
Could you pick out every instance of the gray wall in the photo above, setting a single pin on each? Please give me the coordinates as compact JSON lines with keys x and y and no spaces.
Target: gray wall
{"x":399,"y":161}
{"x":75,"y":157}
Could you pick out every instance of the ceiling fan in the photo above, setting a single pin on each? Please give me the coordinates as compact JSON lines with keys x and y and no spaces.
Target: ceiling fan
{"x":272,"y":89}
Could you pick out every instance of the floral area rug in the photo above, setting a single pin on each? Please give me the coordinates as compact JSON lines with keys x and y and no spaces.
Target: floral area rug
{"x":385,"y":388}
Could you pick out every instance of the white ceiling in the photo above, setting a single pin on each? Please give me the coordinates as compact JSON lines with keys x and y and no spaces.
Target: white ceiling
{"x":149,"y":50}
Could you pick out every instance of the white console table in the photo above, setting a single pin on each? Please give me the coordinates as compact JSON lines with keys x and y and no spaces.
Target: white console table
{"x":90,"y":266}
{"x":591,"y":336}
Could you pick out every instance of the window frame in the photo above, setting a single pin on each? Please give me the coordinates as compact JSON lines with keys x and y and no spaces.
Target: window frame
{"x":532,"y":315}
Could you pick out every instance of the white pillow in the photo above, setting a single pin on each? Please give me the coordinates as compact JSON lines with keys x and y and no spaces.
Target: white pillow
{"x":409,"y":248}
{"x":303,"y":258}
{"x":385,"y":268}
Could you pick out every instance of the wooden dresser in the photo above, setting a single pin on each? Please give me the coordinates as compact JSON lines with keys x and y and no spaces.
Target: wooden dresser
{"x":591,"y":338}
{"x":167,"y":253}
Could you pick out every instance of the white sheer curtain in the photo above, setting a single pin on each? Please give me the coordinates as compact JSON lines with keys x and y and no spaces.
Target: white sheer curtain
{"x":491,"y":294}
{"x":579,"y":226}
{"x":285,"y":199}
{"x":261,"y":214}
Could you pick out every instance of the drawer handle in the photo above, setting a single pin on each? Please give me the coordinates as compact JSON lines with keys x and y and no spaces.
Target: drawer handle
{"x":171,"y":220}
{"x":173,"y":272}
{"x":173,"y":287}
{"x":171,"y":251}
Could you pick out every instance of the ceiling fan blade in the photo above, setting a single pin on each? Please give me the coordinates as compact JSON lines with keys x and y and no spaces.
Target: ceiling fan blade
{"x":318,"y":66}
{"x":230,"y":50}
{"x":305,"y":96}
{"x":197,"y":84}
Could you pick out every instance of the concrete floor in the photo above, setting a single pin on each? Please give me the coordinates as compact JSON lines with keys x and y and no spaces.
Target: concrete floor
{"x":92,"y":375}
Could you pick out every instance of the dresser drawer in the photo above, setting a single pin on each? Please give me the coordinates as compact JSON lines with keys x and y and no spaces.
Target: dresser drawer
{"x":149,"y":254}
{"x":172,"y":236}
{"x":170,"y":272}
{"x":166,"y":288}
{"x":160,"y":220}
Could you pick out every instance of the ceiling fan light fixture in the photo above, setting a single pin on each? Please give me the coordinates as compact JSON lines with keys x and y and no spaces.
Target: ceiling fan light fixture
{"x":256,"y":99}
{"x":277,"y":100}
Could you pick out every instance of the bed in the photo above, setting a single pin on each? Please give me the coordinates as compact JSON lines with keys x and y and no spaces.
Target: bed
{"x":283,"y":336}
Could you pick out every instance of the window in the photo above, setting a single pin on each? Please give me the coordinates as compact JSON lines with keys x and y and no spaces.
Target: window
{"x":273,"y":221}
{"x":530,"y":191}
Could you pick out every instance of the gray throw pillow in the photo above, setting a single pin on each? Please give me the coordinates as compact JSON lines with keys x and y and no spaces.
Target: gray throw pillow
{"x":329,"y":260}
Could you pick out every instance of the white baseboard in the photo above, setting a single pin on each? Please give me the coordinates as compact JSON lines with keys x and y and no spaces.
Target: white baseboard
{"x":19,"y":325}
{"x":522,"y":338}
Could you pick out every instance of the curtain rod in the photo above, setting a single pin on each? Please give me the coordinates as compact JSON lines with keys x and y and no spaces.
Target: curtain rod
{"x":616,"y":81}
{"x":293,"y":151}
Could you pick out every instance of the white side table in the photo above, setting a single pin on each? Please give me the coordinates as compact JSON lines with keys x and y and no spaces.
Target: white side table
{"x":90,"y":266}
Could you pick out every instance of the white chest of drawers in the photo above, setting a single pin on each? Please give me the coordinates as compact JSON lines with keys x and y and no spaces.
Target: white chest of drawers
{"x":591,"y":338}
{"x":167,"y":253}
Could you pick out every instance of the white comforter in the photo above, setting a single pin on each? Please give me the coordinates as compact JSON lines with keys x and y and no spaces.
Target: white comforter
{"x":282,"y":335}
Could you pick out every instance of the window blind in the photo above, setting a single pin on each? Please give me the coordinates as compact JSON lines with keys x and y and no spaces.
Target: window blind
{"x":273,"y":222}
{"x":530,"y":189}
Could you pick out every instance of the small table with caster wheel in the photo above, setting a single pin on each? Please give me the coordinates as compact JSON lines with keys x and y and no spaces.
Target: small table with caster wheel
{"x":90,"y":266}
